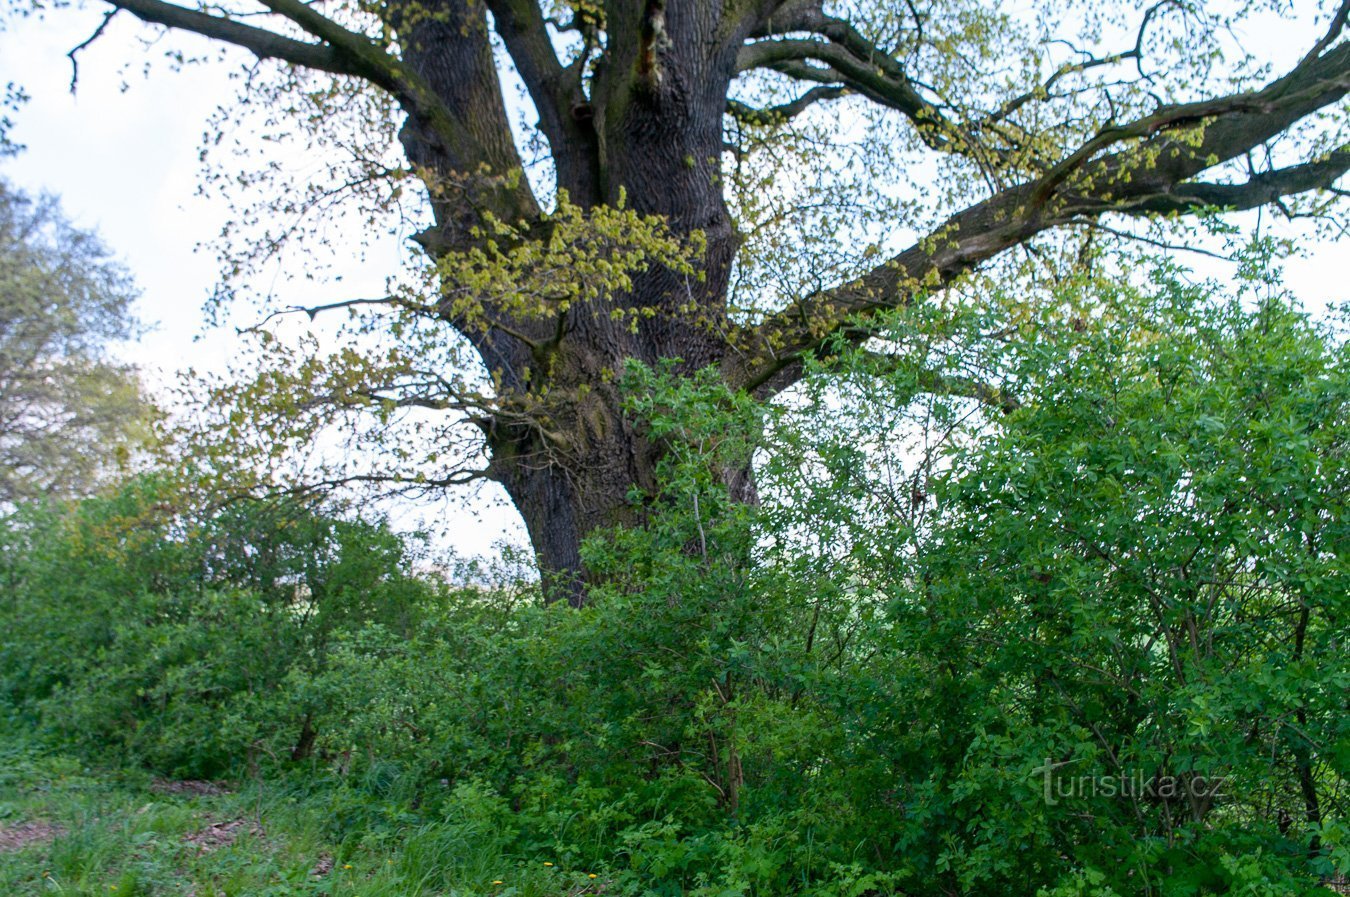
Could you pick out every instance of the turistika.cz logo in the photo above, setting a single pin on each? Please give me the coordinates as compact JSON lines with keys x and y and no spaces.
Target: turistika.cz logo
{"x":1138,"y":785}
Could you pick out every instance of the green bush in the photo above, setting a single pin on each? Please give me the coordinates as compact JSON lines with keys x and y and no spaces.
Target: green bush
{"x":1137,"y":575}
{"x":182,"y":643}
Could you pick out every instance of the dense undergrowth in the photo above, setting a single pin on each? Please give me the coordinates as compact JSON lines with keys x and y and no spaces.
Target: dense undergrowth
{"x":1095,"y":646}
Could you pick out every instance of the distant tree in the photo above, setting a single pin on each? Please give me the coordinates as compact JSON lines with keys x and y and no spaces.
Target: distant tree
{"x":68,"y":413}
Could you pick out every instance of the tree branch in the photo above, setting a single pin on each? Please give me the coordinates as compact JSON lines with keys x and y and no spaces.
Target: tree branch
{"x":857,"y":63}
{"x":880,"y":82}
{"x":556,"y":91}
{"x":259,"y":41}
{"x":785,"y":111}
{"x":74,"y":54}
{"x":1261,"y":189}
{"x":1151,"y":175}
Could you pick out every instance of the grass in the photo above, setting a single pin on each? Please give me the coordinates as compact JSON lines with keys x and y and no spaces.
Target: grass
{"x":87,"y":832}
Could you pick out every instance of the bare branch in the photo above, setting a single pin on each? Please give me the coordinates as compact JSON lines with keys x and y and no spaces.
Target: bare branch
{"x":313,"y":311}
{"x":74,"y":53}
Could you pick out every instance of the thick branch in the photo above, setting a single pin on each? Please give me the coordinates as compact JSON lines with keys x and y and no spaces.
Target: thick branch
{"x":565,"y":117}
{"x":884,"y":84}
{"x":1262,"y":189}
{"x":325,"y":29}
{"x":259,"y":41}
{"x":853,"y":61}
{"x":342,"y":52}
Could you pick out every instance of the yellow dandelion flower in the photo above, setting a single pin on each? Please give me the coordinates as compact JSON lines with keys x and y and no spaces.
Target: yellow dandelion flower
{"x":346,"y":865}
{"x":592,"y":875}
{"x":496,"y":881}
{"x":548,"y":864}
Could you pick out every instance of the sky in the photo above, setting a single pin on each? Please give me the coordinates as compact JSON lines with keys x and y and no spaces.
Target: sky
{"x":122,"y":153}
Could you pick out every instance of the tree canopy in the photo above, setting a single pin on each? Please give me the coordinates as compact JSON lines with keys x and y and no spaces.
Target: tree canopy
{"x":730,"y":184}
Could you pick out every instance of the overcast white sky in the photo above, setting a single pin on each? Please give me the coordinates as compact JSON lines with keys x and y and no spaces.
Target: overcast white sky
{"x":124,"y":161}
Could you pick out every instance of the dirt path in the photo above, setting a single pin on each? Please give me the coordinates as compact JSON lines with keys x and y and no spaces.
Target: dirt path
{"x":26,"y":834}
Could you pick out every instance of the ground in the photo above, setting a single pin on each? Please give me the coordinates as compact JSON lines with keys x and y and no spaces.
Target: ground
{"x":69,"y":829}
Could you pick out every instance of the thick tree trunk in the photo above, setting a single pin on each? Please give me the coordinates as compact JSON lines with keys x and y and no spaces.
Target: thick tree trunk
{"x":578,"y":474}
{"x":564,"y":503}
{"x":574,"y":483}
{"x":655,"y":120}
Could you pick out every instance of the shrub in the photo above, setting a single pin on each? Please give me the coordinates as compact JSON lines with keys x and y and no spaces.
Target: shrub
{"x":183,"y":643}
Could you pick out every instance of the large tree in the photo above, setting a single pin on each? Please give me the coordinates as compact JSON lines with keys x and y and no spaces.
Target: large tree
{"x":730,"y":183}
